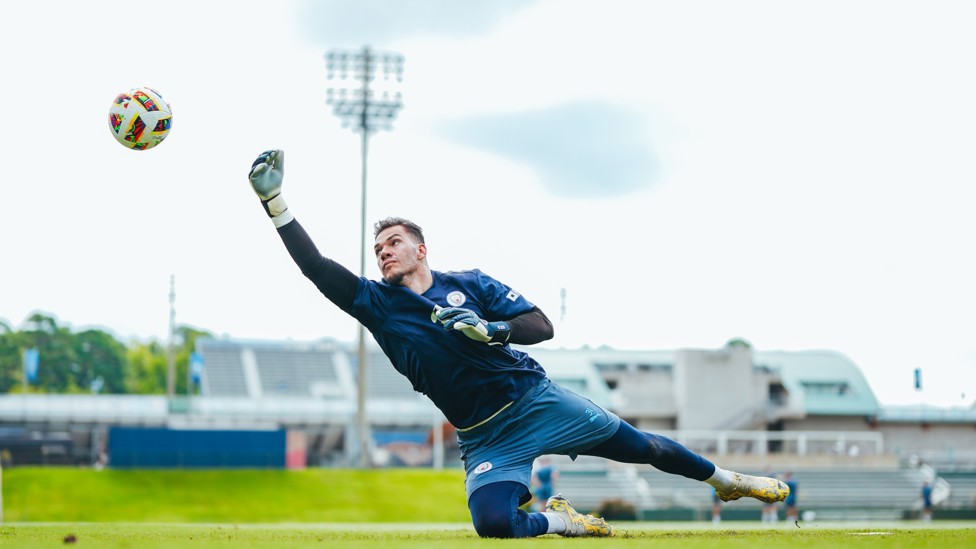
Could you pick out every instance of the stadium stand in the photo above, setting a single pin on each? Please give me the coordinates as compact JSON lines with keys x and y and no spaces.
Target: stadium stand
{"x":296,"y":372}
{"x":589,"y":482}
{"x":830,"y":494}
{"x":224,"y":372}
{"x":384,"y":382}
{"x":963,"y":494}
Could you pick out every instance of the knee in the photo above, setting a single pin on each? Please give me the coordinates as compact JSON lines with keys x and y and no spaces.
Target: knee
{"x":658,"y":446}
{"x":494,"y":523}
{"x":654,"y":446}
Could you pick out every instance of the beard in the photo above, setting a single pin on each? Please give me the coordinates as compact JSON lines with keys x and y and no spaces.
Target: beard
{"x":395,"y":279}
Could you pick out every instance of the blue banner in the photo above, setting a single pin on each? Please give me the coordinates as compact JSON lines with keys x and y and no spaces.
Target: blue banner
{"x":137,"y":447}
{"x":32,"y":359}
{"x":196,"y":367}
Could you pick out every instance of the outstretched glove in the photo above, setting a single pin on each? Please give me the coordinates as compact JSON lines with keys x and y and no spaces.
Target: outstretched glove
{"x":267,"y":173}
{"x":468,"y":323}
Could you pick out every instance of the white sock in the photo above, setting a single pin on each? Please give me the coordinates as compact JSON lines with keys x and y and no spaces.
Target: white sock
{"x":720,"y":478}
{"x":556,"y":523}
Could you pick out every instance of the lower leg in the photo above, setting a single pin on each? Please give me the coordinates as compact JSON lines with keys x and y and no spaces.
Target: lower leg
{"x":495,"y":513}
{"x":628,"y":445}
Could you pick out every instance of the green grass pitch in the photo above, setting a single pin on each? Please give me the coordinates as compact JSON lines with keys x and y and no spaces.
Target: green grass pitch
{"x":397,"y":536}
{"x":401,"y":508}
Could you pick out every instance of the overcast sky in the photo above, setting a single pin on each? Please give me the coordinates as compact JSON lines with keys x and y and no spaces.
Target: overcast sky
{"x":798,"y":174}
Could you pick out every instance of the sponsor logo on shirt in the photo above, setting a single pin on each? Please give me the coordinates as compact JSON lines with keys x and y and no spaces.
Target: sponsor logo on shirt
{"x":456,"y":299}
{"x":482,"y":467}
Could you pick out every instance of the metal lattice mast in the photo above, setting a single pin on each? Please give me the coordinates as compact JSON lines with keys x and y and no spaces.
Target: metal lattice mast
{"x":171,"y":341}
{"x":364,"y":101}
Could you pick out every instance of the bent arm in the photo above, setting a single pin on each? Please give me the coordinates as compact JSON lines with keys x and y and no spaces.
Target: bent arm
{"x":530,"y":328}
{"x":335,"y":282}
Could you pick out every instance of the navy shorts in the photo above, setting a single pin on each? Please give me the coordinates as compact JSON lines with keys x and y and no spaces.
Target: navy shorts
{"x":547,"y":419}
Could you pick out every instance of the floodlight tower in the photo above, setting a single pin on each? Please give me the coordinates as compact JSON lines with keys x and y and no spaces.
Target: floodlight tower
{"x":366,"y":99}
{"x":170,"y":341}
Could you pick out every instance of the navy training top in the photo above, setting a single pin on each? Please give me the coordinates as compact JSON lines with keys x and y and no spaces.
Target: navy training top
{"x":467,"y":380}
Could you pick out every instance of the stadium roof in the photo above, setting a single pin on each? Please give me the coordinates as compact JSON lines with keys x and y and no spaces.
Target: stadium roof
{"x":828,"y":382}
{"x":821,"y":382}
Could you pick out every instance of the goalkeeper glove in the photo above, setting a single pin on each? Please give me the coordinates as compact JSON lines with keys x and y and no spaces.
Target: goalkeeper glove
{"x":266,"y":175}
{"x":468,"y":323}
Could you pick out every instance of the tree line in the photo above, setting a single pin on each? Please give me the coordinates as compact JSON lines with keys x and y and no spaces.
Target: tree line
{"x":89,"y":361}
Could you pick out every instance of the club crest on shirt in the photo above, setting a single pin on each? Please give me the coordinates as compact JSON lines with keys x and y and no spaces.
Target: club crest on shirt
{"x":456,"y":299}
{"x":482,"y":467}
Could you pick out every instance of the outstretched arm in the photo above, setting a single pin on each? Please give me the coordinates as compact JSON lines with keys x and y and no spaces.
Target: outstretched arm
{"x":332,"y":279}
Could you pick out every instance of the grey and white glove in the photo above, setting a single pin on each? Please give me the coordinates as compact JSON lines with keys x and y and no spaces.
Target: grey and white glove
{"x":471,"y":325}
{"x":266,"y":175}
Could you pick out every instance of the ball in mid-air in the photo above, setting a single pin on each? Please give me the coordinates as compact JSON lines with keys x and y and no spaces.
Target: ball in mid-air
{"x":140,"y":119}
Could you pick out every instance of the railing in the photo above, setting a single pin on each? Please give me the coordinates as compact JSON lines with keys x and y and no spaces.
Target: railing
{"x":942,"y":460}
{"x":160,"y":410}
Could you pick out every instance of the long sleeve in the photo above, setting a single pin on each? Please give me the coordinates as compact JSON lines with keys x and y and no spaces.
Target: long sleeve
{"x":335,"y":282}
{"x":530,"y":328}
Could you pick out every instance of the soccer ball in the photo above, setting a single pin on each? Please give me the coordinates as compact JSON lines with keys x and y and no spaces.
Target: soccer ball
{"x":140,"y":119}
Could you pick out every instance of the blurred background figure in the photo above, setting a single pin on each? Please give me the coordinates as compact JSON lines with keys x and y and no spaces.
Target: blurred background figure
{"x":927,"y":502}
{"x":716,"y":508}
{"x":544,"y":478}
{"x":792,"y":515}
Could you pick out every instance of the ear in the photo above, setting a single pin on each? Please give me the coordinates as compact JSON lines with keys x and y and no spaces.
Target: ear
{"x":422,"y":251}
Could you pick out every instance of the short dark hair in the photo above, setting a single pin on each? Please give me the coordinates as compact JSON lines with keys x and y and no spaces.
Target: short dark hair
{"x":410,"y":226}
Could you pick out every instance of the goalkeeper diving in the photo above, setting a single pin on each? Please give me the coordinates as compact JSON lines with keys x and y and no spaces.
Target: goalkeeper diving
{"x":450,"y":334}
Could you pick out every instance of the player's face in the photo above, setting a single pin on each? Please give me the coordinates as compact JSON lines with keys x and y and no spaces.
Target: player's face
{"x":398,"y":254}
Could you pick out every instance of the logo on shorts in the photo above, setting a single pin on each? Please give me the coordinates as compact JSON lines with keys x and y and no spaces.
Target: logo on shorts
{"x":456,"y":299}
{"x":512,"y":295}
{"x":482,"y":467}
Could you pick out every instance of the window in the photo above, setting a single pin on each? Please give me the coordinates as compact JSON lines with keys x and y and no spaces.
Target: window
{"x":653,"y":367}
{"x":839,"y":388}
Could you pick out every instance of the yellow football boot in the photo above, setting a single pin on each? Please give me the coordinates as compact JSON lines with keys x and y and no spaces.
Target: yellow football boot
{"x":578,"y":524}
{"x":764,"y":489}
